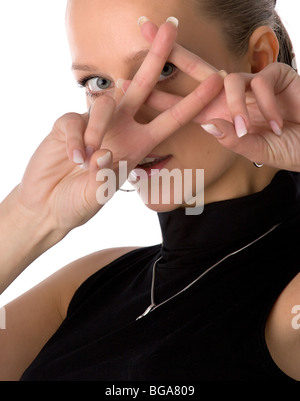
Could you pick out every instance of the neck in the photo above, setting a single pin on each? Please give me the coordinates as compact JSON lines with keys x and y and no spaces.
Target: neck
{"x":241,"y":179}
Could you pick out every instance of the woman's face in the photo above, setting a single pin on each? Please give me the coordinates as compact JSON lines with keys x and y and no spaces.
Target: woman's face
{"x":106,"y":42}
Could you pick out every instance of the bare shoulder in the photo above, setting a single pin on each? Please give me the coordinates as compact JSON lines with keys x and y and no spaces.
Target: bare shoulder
{"x":70,"y":278}
{"x":33,"y":318}
{"x":283,"y":330}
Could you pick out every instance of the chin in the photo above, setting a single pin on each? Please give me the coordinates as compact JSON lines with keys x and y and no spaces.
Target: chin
{"x":163,"y":208}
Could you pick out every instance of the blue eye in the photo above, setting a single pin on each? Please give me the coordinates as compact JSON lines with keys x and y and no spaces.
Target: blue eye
{"x":168,"y":70}
{"x":98,"y":84}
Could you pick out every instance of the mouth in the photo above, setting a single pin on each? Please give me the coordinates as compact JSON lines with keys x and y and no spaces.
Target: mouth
{"x":152,"y":162}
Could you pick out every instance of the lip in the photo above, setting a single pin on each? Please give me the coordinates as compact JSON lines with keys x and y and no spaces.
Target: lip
{"x":154,"y":168}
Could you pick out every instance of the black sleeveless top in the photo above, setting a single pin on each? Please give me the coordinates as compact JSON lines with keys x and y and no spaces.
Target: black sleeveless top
{"x":212,"y":331}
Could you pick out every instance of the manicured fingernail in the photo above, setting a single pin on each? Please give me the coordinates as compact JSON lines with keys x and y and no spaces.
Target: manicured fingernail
{"x":142,"y":20}
{"x":104,"y":160}
{"x":240,"y":126}
{"x":275,"y":128}
{"x":78,"y":157}
{"x":173,"y":21}
{"x":119,"y":84}
{"x":89,"y":150}
{"x":212,"y":130}
{"x":223,"y":73}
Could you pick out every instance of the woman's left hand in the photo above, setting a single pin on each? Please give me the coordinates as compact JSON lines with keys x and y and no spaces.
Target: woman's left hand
{"x":256,"y":115}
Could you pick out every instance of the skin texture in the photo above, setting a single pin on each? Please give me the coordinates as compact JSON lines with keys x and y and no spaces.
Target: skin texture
{"x":227,"y":175}
{"x":162,"y":118}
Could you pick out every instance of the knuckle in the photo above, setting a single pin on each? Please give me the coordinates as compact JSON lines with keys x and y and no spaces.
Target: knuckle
{"x":258,"y":81}
{"x":177,"y":115}
{"x":198,"y":93}
{"x":68,"y":122}
{"x":142,"y":82}
{"x":72,"y":124}
{"x":232,"y":79}
{"x":191,"y":67}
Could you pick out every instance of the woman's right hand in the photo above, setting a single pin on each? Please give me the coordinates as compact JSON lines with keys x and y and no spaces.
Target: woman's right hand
{"x":55,"y":186}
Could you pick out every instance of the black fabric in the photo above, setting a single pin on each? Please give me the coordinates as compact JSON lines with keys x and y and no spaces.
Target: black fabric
{"x":212,"y":331}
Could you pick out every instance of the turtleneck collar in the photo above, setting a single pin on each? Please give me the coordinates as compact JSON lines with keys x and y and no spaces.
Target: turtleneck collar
{"x":225,"y":226}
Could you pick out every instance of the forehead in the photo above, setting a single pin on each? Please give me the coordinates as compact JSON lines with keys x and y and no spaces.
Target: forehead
{"x":98,"y":29}
{"x":115,"y":20}
{"x":127,"y":9}
{"x":106,"y":31}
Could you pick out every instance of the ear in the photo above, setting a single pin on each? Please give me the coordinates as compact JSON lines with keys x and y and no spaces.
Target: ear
{"x":263,"y":48}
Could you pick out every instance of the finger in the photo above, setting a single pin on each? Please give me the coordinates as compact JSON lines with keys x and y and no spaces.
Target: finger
{"x":263,"y":90}
{"x":249,"y":146}
{"x":158,"y":100}
{"x":186,"y":61}
{"x":187,"y":109}
{"x":148,"y":74}
{"x":100,"y":116}
{"x":235,"y":89}
{"x":72,"y":127}
{"x":161,"y":101}
{"x":100,"y":189}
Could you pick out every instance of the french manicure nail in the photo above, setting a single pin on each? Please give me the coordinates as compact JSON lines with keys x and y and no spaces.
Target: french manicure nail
{"x":142,"y":20}
{"x":104,"y":160}
{"x":173,"y":21}
{"x":275,"y":128}
{"x":89,"y":150}
{"x":223,"y":73}
{"x":212,"y":130}
{"x":77,"y":157}
{"x":240,"y":126}
{"x":119,"y":84}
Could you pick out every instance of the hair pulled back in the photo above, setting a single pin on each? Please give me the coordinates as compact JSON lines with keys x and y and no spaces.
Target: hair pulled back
{"x":241,"y":18}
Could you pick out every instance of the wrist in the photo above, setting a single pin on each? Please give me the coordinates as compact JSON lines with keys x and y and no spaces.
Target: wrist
{"x":23,"y":220}
{"x":24,"y":236}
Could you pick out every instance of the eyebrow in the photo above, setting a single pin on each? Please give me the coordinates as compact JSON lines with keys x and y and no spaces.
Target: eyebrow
{"x":135,"y":57}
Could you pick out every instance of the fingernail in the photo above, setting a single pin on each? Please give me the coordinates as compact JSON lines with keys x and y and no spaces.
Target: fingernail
{"x":78,"y":157}
{"x":223,"y":73}
{"x":104,"y":160}
{"x":119,"y":84}
{"x":240,"y":126}
{"x":173,"y":21}
{"x":212,"y":130}
{"x":142,"y":20}
{"x":89,"y":150}
{"x":275,"y":128}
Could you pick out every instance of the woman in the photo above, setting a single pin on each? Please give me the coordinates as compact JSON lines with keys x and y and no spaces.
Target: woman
{"x":215,"y":301}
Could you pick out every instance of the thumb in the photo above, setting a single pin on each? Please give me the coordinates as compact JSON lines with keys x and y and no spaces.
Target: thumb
{"x":102,"y":182}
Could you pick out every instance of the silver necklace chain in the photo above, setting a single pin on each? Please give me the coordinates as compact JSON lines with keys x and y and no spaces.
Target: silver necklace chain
{"x":153,"y":305}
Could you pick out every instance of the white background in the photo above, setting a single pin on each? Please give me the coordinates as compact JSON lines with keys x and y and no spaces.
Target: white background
{"x":37,"y":87}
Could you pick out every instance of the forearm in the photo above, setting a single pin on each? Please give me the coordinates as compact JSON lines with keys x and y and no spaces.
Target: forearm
{"x":23,"y":238}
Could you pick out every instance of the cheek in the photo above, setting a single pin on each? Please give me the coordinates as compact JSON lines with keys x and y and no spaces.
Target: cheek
{"x":193,"y":148}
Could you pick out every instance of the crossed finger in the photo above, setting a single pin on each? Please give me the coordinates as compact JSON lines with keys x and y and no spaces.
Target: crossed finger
{"x":187,"y":61}
{"x":147,"y":76}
